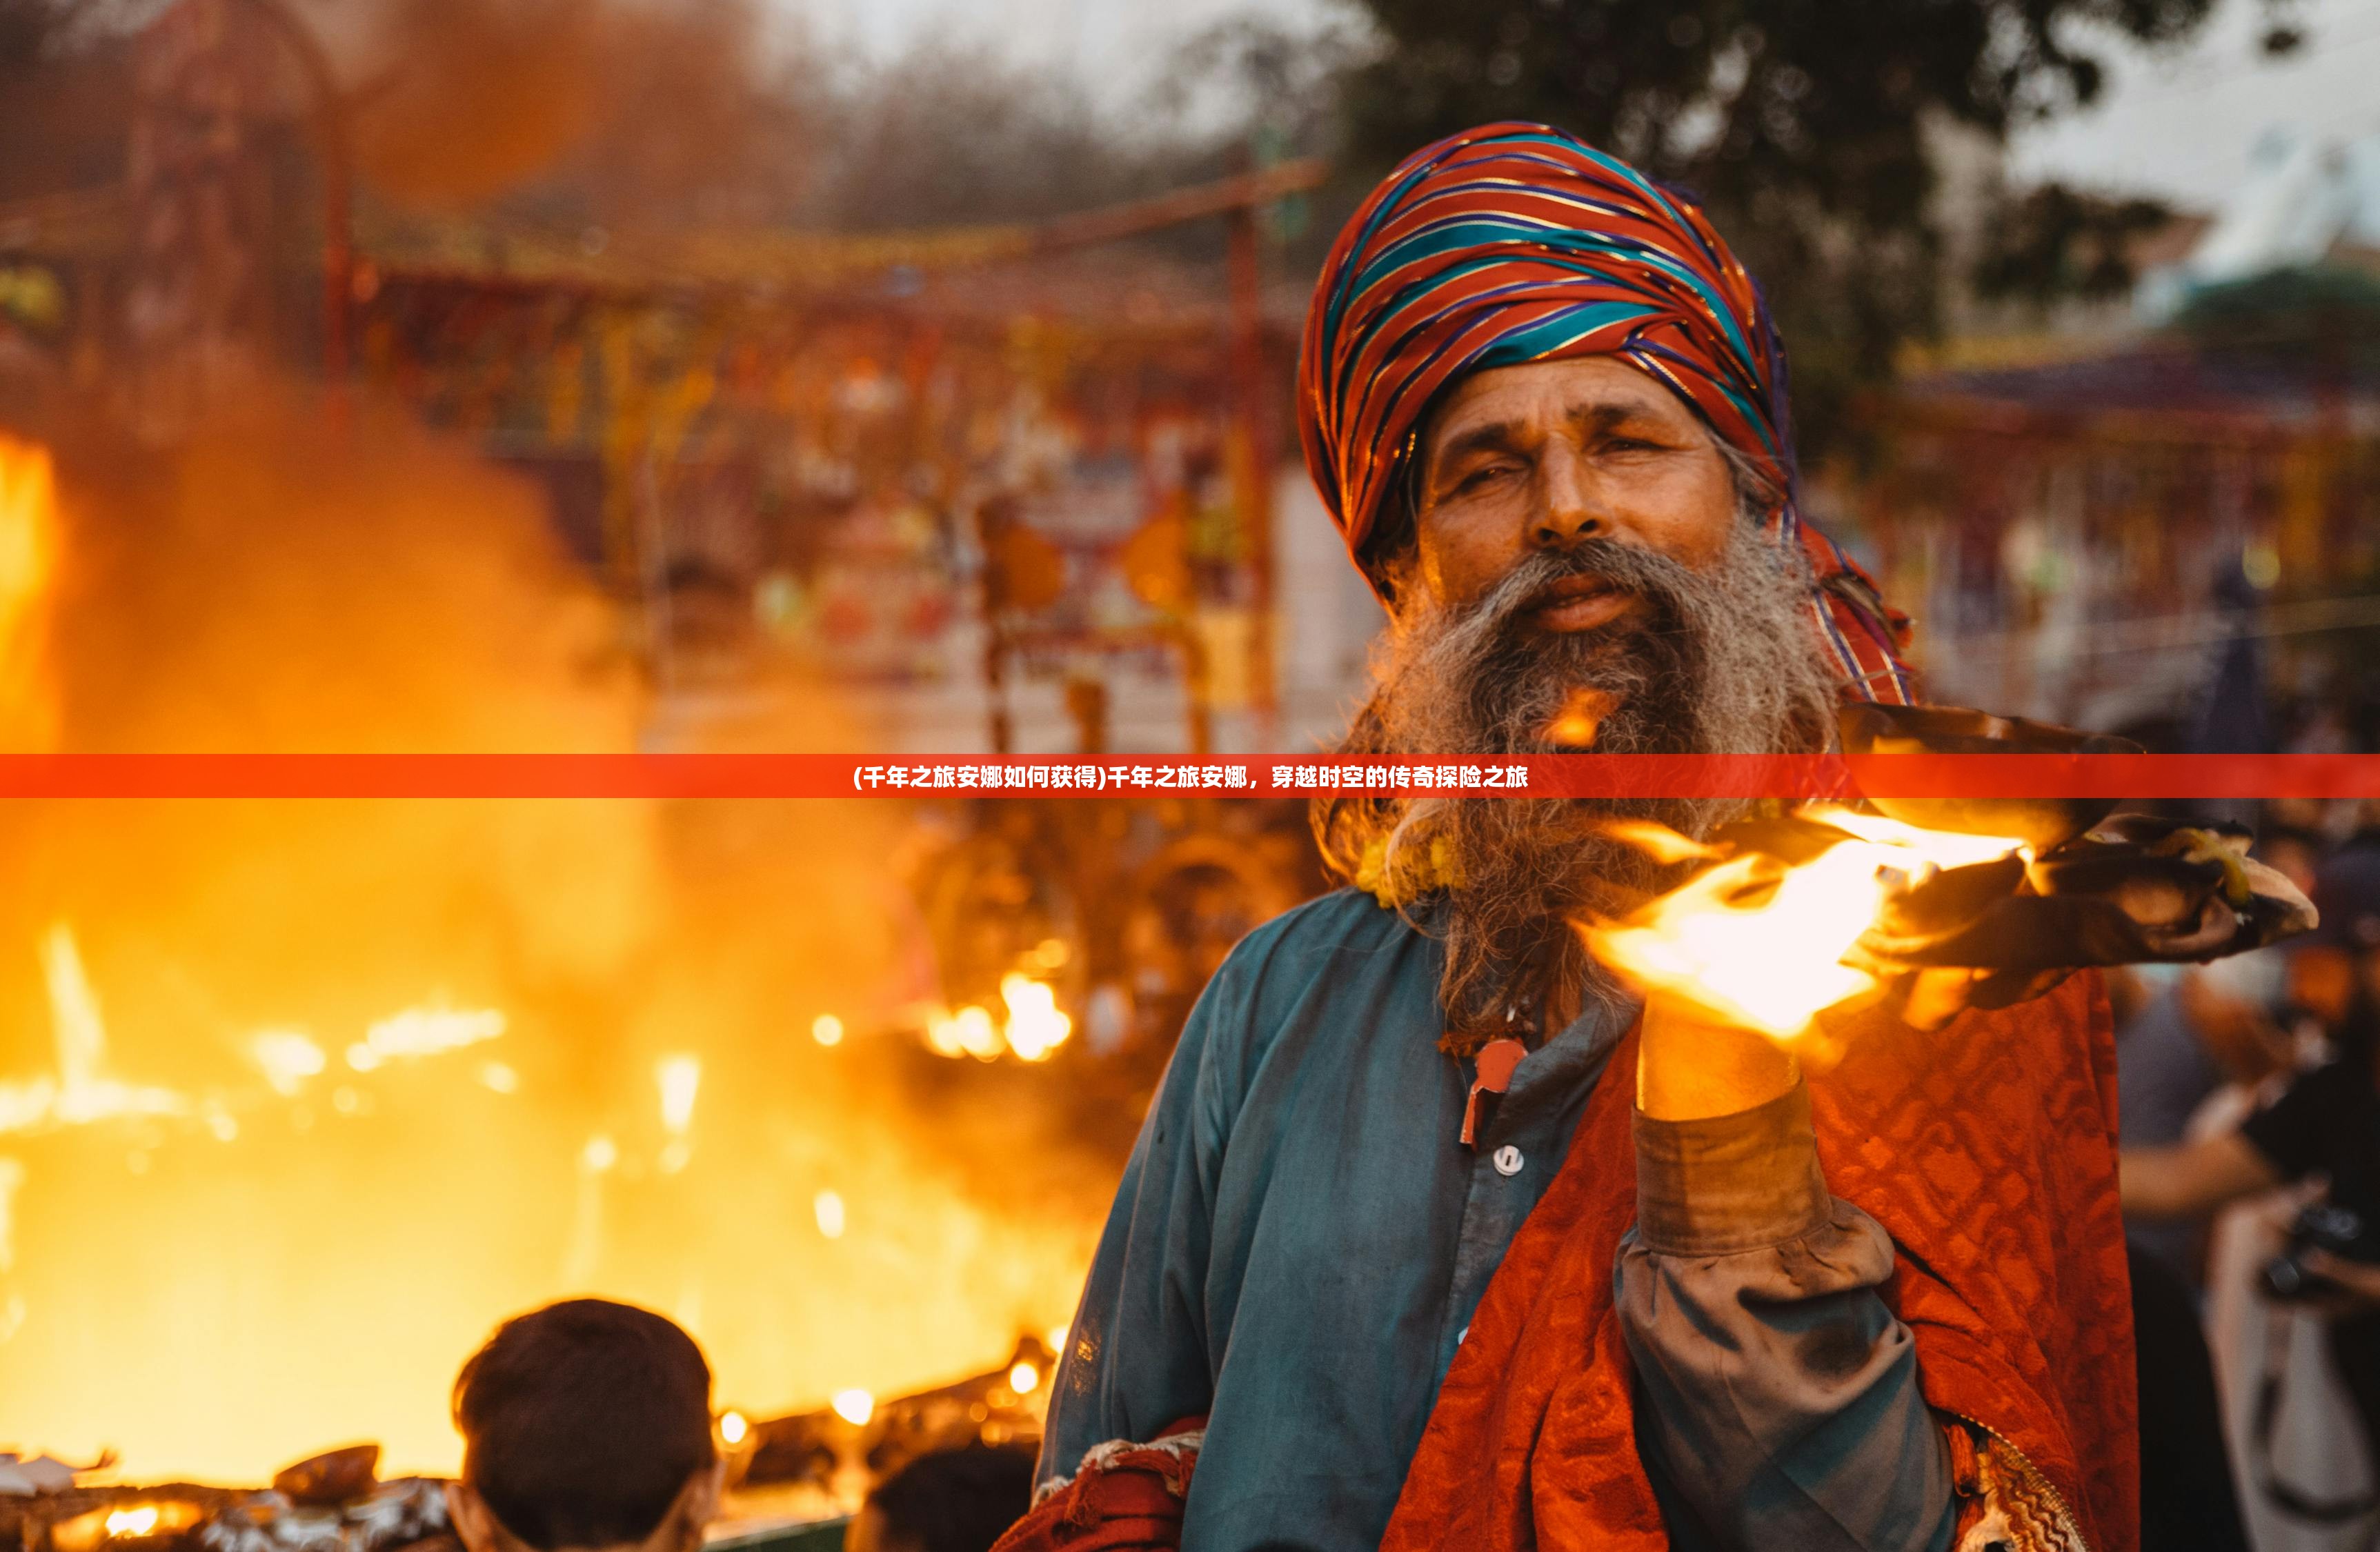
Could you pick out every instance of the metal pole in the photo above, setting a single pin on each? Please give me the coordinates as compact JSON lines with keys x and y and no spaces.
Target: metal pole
{"x":337,"y":154}
{"x":1254,"y":499}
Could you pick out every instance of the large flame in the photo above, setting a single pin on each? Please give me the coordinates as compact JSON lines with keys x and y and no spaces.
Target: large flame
{"x":298,"y":1100}
{"x":1756,"y":944}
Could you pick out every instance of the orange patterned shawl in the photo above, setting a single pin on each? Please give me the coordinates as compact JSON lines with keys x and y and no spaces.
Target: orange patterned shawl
{"x":1986,"y":1150}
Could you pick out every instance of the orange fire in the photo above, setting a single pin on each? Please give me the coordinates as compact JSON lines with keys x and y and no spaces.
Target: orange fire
{"x":29,"y":545}
{"x":1756,"y":944}
{"x":82,"y":1092}
{"x":1580,"y":719}
{"x":298,"y":1101}
{"x":1035,"y":1028}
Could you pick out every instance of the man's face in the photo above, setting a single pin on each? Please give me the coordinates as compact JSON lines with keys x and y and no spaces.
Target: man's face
{"x":1583,"y":572}
{"x":1544,"y":456}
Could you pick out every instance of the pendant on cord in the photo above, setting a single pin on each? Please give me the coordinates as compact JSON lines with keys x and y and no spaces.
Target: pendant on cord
{"x":1496,"y":1062}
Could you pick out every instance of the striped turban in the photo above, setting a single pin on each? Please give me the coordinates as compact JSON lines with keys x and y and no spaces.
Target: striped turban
{"x":1515,"y":243}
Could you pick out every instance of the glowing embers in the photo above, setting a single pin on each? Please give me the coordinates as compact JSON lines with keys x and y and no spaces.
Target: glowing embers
{"x":156,"y":1523}
{"x":287,"y":1058}
{"x":968,"y":1032}
{"x":837,"y":1449}
{"x":680,"y":1080}
{"x":1035,"y":1026}
{"x":420,"y":1032}
{"x":81,"y":1093}
{"x":1758,"y":942}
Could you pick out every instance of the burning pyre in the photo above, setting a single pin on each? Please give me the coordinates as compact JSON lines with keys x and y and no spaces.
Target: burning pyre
{"x":800,"y":1468}
{"x":329,"y":1503}
{"x":297,"y":1101}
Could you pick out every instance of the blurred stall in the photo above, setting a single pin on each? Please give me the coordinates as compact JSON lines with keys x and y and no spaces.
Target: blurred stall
{"x":2181,"y":539}
{"x":963,"y":468}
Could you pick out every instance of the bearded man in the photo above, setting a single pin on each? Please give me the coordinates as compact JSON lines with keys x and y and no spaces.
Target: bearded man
{"x":1547,"y":406}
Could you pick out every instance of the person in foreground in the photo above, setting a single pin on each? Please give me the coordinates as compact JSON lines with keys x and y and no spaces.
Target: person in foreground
{"x":587,"y":1426}
{"x":1667,"y":1294}
{"x":947,"y":1500}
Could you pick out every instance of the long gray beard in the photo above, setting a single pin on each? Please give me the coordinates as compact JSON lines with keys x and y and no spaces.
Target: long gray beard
{"x":1722,"y":661}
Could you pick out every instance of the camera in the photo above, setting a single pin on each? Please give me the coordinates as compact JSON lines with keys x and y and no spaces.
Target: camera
{"x":2323,"y":1226}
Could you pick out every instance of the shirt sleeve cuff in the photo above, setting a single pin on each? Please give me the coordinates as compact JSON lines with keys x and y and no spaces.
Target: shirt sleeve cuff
{"x":1726,"y":1183}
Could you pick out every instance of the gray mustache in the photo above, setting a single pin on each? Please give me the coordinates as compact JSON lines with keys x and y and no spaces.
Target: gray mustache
{"x":1628,"y":567}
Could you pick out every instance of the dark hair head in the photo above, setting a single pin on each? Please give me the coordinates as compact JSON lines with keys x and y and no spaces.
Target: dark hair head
{"x":956,"y":1500}
{"x":583,"y":1420}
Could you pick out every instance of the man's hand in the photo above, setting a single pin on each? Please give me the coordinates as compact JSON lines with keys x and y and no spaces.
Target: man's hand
{"x":2193,"y":1177}
{"x":1687,"y":1069}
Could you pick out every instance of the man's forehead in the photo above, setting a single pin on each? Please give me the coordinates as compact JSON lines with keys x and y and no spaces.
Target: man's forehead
{"x":1592,"y":388}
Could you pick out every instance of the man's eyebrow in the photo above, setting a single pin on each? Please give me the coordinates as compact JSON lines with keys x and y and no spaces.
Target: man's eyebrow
{"x":1603,"y":415}
{"x":1501,"y":435}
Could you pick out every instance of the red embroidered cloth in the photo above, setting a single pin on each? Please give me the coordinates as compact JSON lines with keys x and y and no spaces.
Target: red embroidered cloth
{"x":1986,"y":1150}
{"x":1125,"y":1497}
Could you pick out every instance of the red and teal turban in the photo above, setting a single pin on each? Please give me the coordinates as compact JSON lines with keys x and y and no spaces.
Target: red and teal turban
{"x":1515,"y":243}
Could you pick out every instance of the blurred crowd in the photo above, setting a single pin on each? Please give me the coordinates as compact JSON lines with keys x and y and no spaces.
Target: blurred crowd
{"x":2251,"y":1126}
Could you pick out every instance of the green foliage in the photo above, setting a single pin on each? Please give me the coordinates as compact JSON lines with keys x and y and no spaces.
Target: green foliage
{"x":2326,"y":313}
{"x":1809,"y":127}
{"x":2056,"y":241}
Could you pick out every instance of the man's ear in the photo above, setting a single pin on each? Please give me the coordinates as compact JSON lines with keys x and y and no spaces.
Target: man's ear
{"x":474,"y":1522}
{"x":697,"y":1507}
{"x":706,"y":1486}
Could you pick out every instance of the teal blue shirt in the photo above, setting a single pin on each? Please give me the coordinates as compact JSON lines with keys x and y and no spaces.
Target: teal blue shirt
{"x":1300,"y":1239}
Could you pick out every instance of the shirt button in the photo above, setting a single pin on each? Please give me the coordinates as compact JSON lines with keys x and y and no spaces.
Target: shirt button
{"x":1508,"y":1160}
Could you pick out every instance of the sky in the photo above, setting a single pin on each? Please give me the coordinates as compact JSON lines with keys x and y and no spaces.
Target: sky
{"x":2177,"y":124}
{"x":1119,"y":44}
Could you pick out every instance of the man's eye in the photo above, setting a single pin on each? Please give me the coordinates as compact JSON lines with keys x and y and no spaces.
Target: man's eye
{"x":1481,"y":476}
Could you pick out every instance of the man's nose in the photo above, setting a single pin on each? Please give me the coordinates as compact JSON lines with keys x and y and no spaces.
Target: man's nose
{"x":1568,"y":506}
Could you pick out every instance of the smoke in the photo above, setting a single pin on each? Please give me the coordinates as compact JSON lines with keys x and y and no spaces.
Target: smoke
{"x":481,"y":95}
{"x":643,"y":113}
{"x":621,"y":112}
